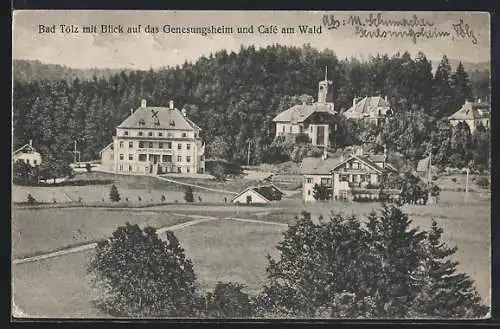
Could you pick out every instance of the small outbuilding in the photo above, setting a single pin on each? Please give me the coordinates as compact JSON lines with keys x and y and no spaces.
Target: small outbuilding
{"x":259,"y":194}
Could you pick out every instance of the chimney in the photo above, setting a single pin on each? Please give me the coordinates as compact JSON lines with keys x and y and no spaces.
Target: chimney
{"x":171,"y":105}
{"x":479,"y":100}
{"x":31,"y":142}
{"x":143,"y":103}
{"x":385,"y":98}
{"x":131,"y":111}
{"x":341,"y":156}
{"x":354,"y":102}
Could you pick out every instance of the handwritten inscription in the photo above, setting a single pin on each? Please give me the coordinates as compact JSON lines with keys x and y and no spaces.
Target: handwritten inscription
{"x":413,"y":27}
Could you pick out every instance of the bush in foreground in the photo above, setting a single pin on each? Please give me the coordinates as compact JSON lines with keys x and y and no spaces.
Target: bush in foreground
{"x":140,"y":275}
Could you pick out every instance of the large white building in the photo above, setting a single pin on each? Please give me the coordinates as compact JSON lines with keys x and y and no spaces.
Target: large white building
{"x":155,"y":140}
{"x":310,"y":119}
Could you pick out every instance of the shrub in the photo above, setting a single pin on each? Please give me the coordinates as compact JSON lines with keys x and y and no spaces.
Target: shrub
{"x":454,"y":179}
{"x":88,"y":167}
{"x":114,"y":196}
{"x":228,"y":301}
{"x":434,"y":178}
{"x":163,"y":198}
{"x":384,"y":269}
{"x":188,"y":194}
{"x":483,"y":182}
{"x":139,"y":275}
{"x":321,"y":192}
{"x":30,"y":199}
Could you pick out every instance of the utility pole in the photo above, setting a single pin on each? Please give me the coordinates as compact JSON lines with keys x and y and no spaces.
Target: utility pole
{"x":248,"y":157}
{"x":467,"y":184}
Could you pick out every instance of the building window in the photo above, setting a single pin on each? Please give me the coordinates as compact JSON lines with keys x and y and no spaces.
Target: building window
{"x":179,"y":158}
{"x":129,"y":168}
{"x":142,"y":157}
{"x":290,"y":129}
{"x":131,"y":157}
{"x":188,"y":169}
{"x":184,"y":134}
{"x":172,"y":123}
{"x":121,"y":167}
{"x":121,"y":156}
{"x":160,"y":145}
{"x":169,"y":134}
{"x":34,"y":161}
{"x":301,"y":129}
{"x":343,"y":178}
{"x":308,"y":192}
{"x":309,"y":180}
{"x":311,"y":129}
{"x":146,"y":168}
{"x":188,"y":146}
{"x":28,"y":161}
{"x":179,"y":169}
{"x":150,"y":133}
{"x":125,"y":133}
{"x":160,"y":134}
{"x":150,"y":145}
{"x":201,"y":157}
{"x":141,"y":145}
{"x":166,"y":158}
{"x":283,"y":128}
{"x":142,"y":122}
{"x":139,"y":133}
{"x":325,"y":181}
{"x":179,"y":146}
{"x":121,"y":144}
{"x":188,"y":158}
{"x":130,"y":145}
{"x":169,"y":145}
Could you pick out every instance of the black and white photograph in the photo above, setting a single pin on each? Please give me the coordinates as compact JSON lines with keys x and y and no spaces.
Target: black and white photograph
{"x":251,"y":165}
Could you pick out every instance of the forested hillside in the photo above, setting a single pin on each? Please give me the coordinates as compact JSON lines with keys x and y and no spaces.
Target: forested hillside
{"x":233,"y":96}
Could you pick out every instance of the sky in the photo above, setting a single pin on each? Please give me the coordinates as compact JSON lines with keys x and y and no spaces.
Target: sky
{"x":153,"y":50}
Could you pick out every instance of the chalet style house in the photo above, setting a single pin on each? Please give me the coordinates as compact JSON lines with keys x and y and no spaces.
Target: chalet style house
{"x":356,"y":176}
{"x":369,"y":110}
{"x":311,"y":119}
{"x":359,"y":175}
{"x":473,"y":114}
{"x":28,"y":154}
{"x":155,"y":140}
{"x":259,"y":194}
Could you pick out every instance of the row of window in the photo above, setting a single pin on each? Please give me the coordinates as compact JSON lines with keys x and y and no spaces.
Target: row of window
{"x":147,"y":168}
{"x":158,"y":134}
{"x":161,"y":145}
{"x":324,"y":181}
{"x":355,"y":178}
{"x":301,"y":129}
{"x":155,"y":157}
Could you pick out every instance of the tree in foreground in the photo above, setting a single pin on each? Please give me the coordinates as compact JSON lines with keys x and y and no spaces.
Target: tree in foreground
{"x":139,"y":275}
{"x":114,"y":195}
{"x":384,"y":269}
{"x":188,"y":194}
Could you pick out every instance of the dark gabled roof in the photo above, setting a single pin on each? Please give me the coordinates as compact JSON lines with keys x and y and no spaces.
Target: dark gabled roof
{"x":301,"y":112}
{"x":145,"y":118}
{"x":317,"y":166}
{"x":471,"y":111}
{"x":269,"y":192}
{"x":368,"y":106}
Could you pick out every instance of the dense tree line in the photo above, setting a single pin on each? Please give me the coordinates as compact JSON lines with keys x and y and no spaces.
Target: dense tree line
{"x":233,"y":96}
{"x":338,"y":267}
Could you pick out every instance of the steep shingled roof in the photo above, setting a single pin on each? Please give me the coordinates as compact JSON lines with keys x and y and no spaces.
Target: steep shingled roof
{"x":368,"y":106}
{"x":301,"y":112}
{"x":269,"y":192}
{"x":165,"y":116}
{"x":471,"y":111}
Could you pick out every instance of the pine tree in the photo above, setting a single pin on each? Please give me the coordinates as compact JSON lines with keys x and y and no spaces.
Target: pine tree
{"x":462,"y":89}
{"x":114,"y":195}
{"x":444,"y":293}
{"x":443,"y":95}
{"x":321,"y":192}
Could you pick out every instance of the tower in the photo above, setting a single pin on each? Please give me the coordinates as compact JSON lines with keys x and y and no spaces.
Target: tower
{"x":325,"y":93}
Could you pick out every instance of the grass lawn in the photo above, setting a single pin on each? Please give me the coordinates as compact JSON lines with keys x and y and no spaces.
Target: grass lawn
{"x":43,"y":230}
{"x":221,"y":251}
